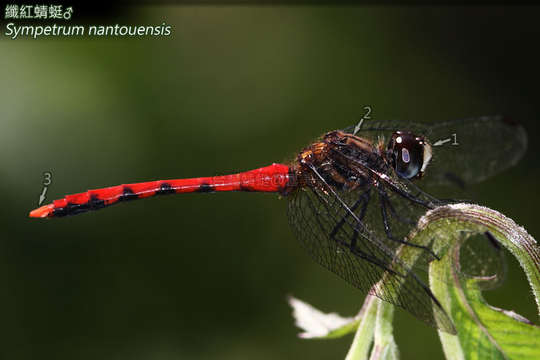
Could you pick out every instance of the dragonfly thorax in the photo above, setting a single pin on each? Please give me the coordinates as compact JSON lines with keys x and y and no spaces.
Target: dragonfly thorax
{"x":343,"y":160}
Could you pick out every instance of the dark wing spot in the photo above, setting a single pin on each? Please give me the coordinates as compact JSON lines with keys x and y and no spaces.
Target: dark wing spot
{"x":165,"y":188}
{"x":127,"y":194}
{"x":204,"y":187}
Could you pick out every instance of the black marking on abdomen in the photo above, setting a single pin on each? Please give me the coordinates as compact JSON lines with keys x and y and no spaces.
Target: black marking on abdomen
{"x":128,"y":194}
{"x":205,"y":187}
{"x":71,"y":209}
{"x":246,"y":188}
{"x":78,"y":208}
{"x":96,"y":203}
{"x":164,"y":189}
{"x":60,"y":212}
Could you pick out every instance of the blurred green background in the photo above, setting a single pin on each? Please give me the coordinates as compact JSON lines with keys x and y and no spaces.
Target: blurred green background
{"x":205,"y":276}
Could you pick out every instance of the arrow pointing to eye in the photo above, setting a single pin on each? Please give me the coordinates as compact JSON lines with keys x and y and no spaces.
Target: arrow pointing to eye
{"x":442,"y":142}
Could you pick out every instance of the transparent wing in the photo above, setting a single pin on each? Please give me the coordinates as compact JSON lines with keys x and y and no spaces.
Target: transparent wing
{"x":491,"y":271}
{"x":464,"y":151}
{"x":394,"y":210}
{"x":356,"y":230}
{"x":330,"y":227}
{"x":478,"y":149}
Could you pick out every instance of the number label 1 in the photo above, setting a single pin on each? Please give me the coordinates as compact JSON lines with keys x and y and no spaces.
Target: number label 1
{"x":455,"y":139}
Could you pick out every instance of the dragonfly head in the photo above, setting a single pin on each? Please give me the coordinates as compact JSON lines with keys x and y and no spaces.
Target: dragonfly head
{"x":408,"y":154}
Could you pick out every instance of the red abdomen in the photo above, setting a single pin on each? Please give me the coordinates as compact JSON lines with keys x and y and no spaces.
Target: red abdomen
{"x":273,"y":178}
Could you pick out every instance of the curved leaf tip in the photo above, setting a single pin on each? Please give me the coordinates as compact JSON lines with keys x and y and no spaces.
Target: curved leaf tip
{"x":483,"y":331}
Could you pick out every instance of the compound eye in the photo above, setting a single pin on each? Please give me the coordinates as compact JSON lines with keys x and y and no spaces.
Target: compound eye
{"x":409,"y":154}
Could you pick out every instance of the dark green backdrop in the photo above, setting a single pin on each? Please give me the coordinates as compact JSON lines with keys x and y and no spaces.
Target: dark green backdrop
{"x":205,"y":276}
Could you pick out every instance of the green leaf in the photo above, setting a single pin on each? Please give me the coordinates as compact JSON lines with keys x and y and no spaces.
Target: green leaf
{"x":366,"y":330}
{"x":384,"y":345}
{"x":483,"y":331}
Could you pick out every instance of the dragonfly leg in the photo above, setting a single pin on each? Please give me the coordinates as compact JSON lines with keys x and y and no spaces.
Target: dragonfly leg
{"x":358,"y":225}
{"x":364,"y":200}
{"x":352,"y":245}
{"x":384,"y":213}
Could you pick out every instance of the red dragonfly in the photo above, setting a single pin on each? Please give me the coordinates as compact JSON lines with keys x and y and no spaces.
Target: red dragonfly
{"x":353,"y":196}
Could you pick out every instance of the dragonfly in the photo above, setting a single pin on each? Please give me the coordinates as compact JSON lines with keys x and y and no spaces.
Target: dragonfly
{"x":354,"y":195}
